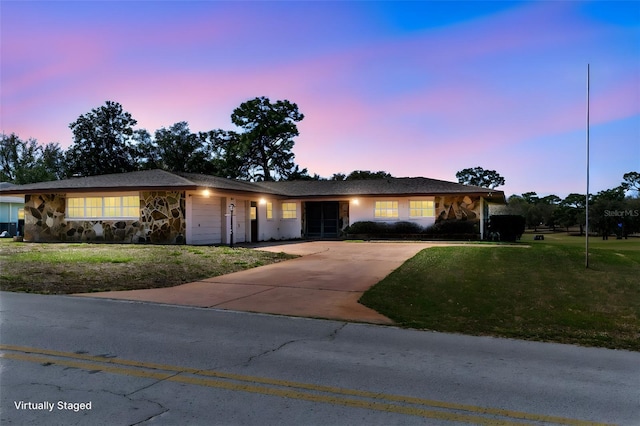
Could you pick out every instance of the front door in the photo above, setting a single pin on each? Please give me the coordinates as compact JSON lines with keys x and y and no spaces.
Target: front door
{"x":322,"y":219}
{"x":254,"y":222}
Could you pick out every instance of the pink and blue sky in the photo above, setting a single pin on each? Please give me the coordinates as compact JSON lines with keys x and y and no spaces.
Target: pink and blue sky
{"x":412,"y":88}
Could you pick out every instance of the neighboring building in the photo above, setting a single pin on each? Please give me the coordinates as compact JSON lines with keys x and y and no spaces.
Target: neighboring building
{"x":157,"y":206}
{"x":11,"y":211}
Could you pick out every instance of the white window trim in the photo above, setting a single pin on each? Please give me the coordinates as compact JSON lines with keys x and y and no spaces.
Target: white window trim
{"x":397,"y":209}
{"x":103,"y":196}
{"x":266,"y":210}
{"x":421,"y":200}
{"x":295,"y":210}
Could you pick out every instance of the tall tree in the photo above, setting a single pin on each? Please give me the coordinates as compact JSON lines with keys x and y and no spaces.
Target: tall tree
{"x":600,"y":211}
{"x":227,"y":153}
{"x":478,"y":176}
{"x":53,"y":161}
{"x":102,"y":142}
{"x":147,"y":154}
{"x":571,"y":211}
{"x":176,"y":149}
{"x":266,"y":142}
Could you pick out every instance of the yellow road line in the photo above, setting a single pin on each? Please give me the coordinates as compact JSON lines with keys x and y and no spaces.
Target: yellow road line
{"x":288,"y":384}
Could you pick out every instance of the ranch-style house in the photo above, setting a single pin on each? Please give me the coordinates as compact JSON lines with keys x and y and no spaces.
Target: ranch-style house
{"x":157,"y":206}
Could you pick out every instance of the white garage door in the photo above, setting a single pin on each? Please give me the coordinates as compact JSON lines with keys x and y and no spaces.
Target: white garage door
{"x":205,"y":220}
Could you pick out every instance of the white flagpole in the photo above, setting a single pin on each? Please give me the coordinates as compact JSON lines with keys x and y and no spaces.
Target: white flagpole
{"x":586,"y":257}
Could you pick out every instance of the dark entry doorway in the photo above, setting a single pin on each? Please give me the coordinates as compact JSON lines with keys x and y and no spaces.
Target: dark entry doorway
{"x":322,"y":219}
{"x":254,"y":221}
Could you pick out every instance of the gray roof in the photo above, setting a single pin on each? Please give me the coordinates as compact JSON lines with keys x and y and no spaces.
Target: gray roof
{"x":160,"y":179}
{"x":386,"y":186}
{"x":133,"y":180}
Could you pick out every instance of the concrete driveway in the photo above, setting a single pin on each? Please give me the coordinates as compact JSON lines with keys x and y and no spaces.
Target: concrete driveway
{"x":325,"y":282}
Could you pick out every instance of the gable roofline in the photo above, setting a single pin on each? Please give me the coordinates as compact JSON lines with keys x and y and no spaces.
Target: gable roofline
{"x":149,"y":180}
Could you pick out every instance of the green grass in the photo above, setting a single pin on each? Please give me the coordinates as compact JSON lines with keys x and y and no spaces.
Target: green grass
{"x":542,"y":292}
{"x":77,"y":268}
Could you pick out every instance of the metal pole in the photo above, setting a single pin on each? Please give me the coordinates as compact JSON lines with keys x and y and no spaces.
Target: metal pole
{"x":586,"y":256}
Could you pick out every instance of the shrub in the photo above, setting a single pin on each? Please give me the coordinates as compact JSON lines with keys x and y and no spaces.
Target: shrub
{"x":365,"y":227}
{"x":507,"y":227}
{"x":404,"y":228}
{"x":383,"y":228}
{"x":452,"y":227}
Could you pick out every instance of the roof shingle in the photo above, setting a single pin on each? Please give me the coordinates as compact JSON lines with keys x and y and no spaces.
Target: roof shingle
{"x":160,"y":179}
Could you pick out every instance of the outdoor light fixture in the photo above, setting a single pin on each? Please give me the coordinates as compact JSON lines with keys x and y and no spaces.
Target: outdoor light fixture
{"x":231,"y":207}
{"x":263,"y":201}
{"x":206,"y":192}
{"x":355,"y":201}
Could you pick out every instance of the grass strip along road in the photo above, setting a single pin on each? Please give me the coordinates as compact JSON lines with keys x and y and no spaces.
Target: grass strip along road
{"x":541,"y":292}
{"x":286,"y":389}
{"x":67,"y":268}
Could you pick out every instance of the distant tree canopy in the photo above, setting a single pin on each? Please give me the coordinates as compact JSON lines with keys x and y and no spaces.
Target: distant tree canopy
{"x":478,"y":176}
{"x":361,"y":175}
{"x":102,"y":142}
{"x":631,"y":181}
{"x":175,"y":149}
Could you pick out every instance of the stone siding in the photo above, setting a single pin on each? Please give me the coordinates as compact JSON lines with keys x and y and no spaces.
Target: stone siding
{"x":462,"y":207}
{"x":163,"y":215}
{"x":162,"y":221}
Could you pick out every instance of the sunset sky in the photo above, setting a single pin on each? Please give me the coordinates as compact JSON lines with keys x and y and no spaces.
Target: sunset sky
{"x":412,"y":88}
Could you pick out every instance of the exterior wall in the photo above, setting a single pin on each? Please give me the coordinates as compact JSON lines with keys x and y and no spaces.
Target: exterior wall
{"x":343,"y":215}
{"x":173,"y":217}
{"x":458,"y":207}
{"x":204,"y":219}
{"x":241,"y":229}
{"x":288,"y":228}
{"x":163,"y":216}
{"x":209,"y":220}
{"x":278,"y":228}
{"x":362,"y":209}
{"x":162,"y":221}
{"x":268,"y":228}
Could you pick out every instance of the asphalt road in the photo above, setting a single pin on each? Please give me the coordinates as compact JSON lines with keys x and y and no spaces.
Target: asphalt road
{"x":80,"y":361}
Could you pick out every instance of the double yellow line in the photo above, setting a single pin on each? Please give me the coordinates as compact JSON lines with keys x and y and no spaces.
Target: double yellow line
{"x":286,"y":389}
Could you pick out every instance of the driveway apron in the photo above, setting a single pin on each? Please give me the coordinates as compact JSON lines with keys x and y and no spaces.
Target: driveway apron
{"x":325,"y":282}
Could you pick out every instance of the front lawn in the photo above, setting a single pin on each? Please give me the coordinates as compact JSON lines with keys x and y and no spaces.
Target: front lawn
{"x":61,"y":268}
{"x":542,"y":292}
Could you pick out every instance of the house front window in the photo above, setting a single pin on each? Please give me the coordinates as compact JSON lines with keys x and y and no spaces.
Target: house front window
{"x":269,"y":210}
{"x":385,"y":209}
{"x":289,"y":211}
{"x":422,"y":208}
{"x":20,"y":214}
{"x":121,"y":207}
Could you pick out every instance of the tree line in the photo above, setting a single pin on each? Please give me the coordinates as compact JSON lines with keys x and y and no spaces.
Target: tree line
{"x":610,"y":211}
{"x":105,"y":141}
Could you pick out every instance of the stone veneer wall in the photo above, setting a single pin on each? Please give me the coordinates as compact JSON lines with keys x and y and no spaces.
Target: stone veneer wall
{"x":163,"y":214}
{"x":461,"y":207}
{"x":162,"y":221}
